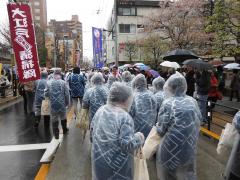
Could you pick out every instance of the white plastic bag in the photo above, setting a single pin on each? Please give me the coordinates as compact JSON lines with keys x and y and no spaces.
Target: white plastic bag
{"x":140,"y":167}
{"x":45,"y":108}
{"x":227,"y":138}
{"x":151,"y":144}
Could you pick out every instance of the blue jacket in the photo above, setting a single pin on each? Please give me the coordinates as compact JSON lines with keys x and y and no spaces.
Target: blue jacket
{"x":76,"y":85}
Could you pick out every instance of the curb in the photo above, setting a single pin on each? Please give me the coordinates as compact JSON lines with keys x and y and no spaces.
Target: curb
{"x":8,"y":99}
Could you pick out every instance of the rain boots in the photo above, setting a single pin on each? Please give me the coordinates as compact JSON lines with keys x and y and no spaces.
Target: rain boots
{"x":55,"y":129}
{"x":64,"y":126}
{"x":37,"y":120}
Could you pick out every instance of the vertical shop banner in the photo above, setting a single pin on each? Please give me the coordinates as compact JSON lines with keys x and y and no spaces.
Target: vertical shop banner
{"x":23,"y":41}
{"x":97,"y":47}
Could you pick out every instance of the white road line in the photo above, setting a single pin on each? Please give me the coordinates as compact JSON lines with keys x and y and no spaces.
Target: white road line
{"x":24,"y":147}
{"x":52,"y":147}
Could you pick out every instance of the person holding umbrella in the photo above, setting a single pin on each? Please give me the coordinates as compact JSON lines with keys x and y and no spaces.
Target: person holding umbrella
{"x":235,"y":85}
{"x":203,"y":85}
{"x":190,"y":81}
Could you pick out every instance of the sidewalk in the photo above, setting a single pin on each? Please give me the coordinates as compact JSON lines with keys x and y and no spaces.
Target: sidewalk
{"x":7,"y":99}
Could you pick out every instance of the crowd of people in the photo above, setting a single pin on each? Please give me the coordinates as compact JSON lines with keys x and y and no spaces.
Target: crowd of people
{"x":122,"y":110}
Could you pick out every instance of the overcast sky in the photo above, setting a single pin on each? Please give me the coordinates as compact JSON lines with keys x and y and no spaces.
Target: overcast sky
{"x":63,"y":10}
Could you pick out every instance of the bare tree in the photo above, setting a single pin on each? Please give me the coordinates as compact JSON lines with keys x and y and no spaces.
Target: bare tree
{"x":154,"y":47}
{"x":182,"y":22}
{"x":5,"y":34}
{"x":130,"y":50}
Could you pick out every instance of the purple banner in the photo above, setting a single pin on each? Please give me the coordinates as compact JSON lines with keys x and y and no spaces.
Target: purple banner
{"x":97,"y":47}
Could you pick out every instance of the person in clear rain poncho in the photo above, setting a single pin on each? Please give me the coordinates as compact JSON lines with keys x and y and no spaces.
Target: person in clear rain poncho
{"x":96,"y":96}
{"x":58,"y":93}
{"x":179,"y":124}
{"x":158,"y":84}
{"x":233,"y":165}
{"x":114,"y":140}
{"x":111,"y":80}
{"x":39,"y":87}
{"x":144,"y":107}
{"x":127,"y":78}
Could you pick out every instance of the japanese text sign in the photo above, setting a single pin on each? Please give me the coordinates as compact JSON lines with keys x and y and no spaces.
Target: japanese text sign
{"x":23,"y":41}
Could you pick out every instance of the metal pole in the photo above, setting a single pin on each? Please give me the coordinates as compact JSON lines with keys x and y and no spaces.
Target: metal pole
{"x":116,"y":33}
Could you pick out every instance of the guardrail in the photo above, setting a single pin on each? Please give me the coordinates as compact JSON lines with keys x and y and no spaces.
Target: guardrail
{"x":217,"y":116}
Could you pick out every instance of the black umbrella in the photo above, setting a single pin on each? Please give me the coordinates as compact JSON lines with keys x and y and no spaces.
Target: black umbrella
{"x":198,"y":64}
{"x":180,"y":55}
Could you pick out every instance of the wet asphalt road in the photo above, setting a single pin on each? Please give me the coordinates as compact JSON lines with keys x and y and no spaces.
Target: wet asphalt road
{"x":16,"y":128}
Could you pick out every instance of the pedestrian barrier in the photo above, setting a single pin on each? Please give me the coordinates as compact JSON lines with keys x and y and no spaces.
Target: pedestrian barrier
{"x":217,"y":116}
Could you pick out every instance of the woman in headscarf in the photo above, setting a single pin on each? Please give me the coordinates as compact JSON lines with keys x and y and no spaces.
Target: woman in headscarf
{"x":96,"y":96}
{"x":178,"y":125}
{"x":144,"y":107}
{"x":113,"y":135}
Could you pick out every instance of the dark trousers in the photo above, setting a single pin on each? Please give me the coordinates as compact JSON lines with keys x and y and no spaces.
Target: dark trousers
{"x":25,"y":102}
{"x":232,"y":94}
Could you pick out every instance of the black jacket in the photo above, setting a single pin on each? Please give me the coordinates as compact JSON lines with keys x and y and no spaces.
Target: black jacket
{"x":203,"y":83}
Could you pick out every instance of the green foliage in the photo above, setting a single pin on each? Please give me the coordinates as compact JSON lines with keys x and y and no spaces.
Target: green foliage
{"x":224,"y":24}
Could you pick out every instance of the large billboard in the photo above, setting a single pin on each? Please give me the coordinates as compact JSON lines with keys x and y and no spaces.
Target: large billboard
{"x":23,"y":41}
{"x":97,"y":48}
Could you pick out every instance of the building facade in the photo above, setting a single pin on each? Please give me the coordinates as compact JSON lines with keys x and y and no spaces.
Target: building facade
{"x":129,"y":21}
{"x":39,"y":12}
{"x":64,"y":43}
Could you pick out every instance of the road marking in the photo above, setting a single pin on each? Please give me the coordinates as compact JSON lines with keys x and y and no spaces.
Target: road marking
{"x":51,"y":149}
{"x":43,"y":171}
{"x":210,"y":133}
{"x":24,"y":147}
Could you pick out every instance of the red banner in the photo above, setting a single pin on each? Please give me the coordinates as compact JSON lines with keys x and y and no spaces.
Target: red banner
{"x":23,"y":41}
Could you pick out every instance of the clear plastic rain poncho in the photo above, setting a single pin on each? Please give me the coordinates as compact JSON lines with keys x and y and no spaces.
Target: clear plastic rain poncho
{"x":40,"y":85}
{"x":158,"y":84}
{"x":127,"y":78}
{"x":113,"y":135}
{"x":58,"y":93}
{"x":111,"y":80}
{"x":179,"y":124}
{"x":144,"y":107}
{"x":89,"y":84}
{"x":96,"y":96}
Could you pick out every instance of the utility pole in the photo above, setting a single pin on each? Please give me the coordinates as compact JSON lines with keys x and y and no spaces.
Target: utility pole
{"x":116,"y":32}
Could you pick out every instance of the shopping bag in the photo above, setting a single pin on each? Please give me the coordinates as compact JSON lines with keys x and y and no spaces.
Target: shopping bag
{"x":151,"y":144}
{"x":45,"y":108}
{"x":227,"y":138}
{"x":83,"y":121}
{"x":140,"y":167}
